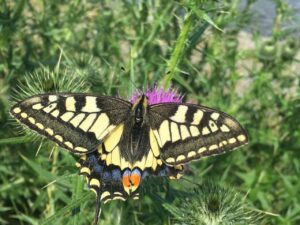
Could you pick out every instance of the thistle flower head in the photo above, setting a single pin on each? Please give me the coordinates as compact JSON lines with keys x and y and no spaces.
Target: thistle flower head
{"x":210,"y":204}
{"x":157,"y":95}
{"x":45,"y":80}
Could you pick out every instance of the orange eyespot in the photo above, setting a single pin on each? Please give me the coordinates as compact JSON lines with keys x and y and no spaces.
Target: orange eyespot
{"x":126,"y":180}
{"x":131,"y":180}
{"x":135,"y":179}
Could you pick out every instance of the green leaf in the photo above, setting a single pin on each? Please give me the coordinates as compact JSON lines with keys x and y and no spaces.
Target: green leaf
{"x":67,"y":209}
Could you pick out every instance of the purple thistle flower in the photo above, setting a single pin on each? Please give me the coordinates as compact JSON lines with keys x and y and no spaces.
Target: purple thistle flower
{"x":158,"y":95}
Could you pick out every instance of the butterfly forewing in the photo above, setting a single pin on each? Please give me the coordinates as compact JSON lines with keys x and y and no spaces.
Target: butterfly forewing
{"x":186,"y":132}
{"x":77,"y":122}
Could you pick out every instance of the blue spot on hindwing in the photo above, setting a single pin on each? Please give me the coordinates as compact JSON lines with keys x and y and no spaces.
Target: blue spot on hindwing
{"x":116,"y":174}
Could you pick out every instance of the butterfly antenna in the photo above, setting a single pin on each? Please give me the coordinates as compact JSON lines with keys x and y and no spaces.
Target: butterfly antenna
{"x":133,"y":84}
{"x":131,"y":81}
{"x":98,"y":209}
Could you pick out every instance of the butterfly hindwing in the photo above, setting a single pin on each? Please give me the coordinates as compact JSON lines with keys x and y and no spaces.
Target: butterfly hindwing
{"x":77,"y":122}
{"x":104,"y":180}
{"x":186,"y":132}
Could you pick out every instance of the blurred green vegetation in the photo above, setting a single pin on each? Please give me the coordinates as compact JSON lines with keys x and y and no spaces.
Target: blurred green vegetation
{"x":113,"y":46}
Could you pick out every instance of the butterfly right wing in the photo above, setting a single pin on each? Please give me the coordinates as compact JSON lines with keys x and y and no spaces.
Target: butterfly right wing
{"x":184,"y":132}
{"x":76,"y":122}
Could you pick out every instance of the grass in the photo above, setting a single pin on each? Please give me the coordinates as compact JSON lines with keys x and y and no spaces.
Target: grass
{"x":111,"y":48}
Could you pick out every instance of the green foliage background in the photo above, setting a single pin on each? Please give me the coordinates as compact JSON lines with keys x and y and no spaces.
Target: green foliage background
{"x":251,"y":77}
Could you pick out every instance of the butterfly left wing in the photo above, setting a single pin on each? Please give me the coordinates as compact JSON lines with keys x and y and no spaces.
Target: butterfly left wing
{"x":185,"y":132}
{"x":76,"y":122}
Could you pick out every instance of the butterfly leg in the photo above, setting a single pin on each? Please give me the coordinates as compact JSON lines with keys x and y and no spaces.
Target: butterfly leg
{"x":98,"y":208}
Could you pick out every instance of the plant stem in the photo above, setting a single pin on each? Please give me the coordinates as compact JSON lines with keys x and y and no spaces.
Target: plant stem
{"x":15,"y":140}
{"x":178,"y":51}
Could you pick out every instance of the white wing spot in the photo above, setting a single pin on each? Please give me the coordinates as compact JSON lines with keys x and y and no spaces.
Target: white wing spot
{"x":90,"y":105}
{"x":85,"y":170}
{"x":232,"y":140}
{"x":105,"y":194}
{"x":213,"y":147}
{"x":175,"y":132}
{"x":100,"y":125}
{"x":154,"y":164}
{"x":52,"y":98}
{"x":17,"y":110}
{"x":180,"y":158}
{"x":87,"y":123}
{"x":224,"y":128}
{"x":55,"y":113}
{"x":213,"y":126}
{"x":241,"y":137}
{"x":191,"y":154}
{"x":215,"y":115}
{"x":194,"y":131}
{"x":205,"y":131}
{"x":49,"y":108}
{"x":164,"y":132}
{"x":59,"y":138}
{"x":159,"y":162}
{"x":69,"y":144}
{"x":38,"y":106}
{"x":70,"y":104}
{"x":80,"y":149}
{"x":113,"y":139}
{"x":24,"y":115}
{"x":153,"y":143}
{"x":170,"y":160}
{"x":116,"y":156}
{"x":197,"y":117}
{"x":31,"y":120}
{"x":94,"y":182}
{"x":180,"y":114}
{"x":108,"y":159}
{"x":184,"y":132}
{"x":149,"y":159}
{"x":40,"y":126}
{"x":49,"y":131}
{"x":67,"y":116}
{"x":155,"y":132}
{"x":202,"y":149}
{"x":107,"y":131}
{"x":77,"y":119}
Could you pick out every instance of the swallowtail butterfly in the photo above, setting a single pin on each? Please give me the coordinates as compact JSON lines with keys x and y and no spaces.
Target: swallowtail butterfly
{"x":122,"y":143}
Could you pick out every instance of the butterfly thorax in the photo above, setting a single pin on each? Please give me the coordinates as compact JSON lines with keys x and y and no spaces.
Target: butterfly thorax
{"x":138,"y":125}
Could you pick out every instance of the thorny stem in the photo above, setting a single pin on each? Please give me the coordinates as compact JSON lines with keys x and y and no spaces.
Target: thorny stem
{"x":178,"y":51}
